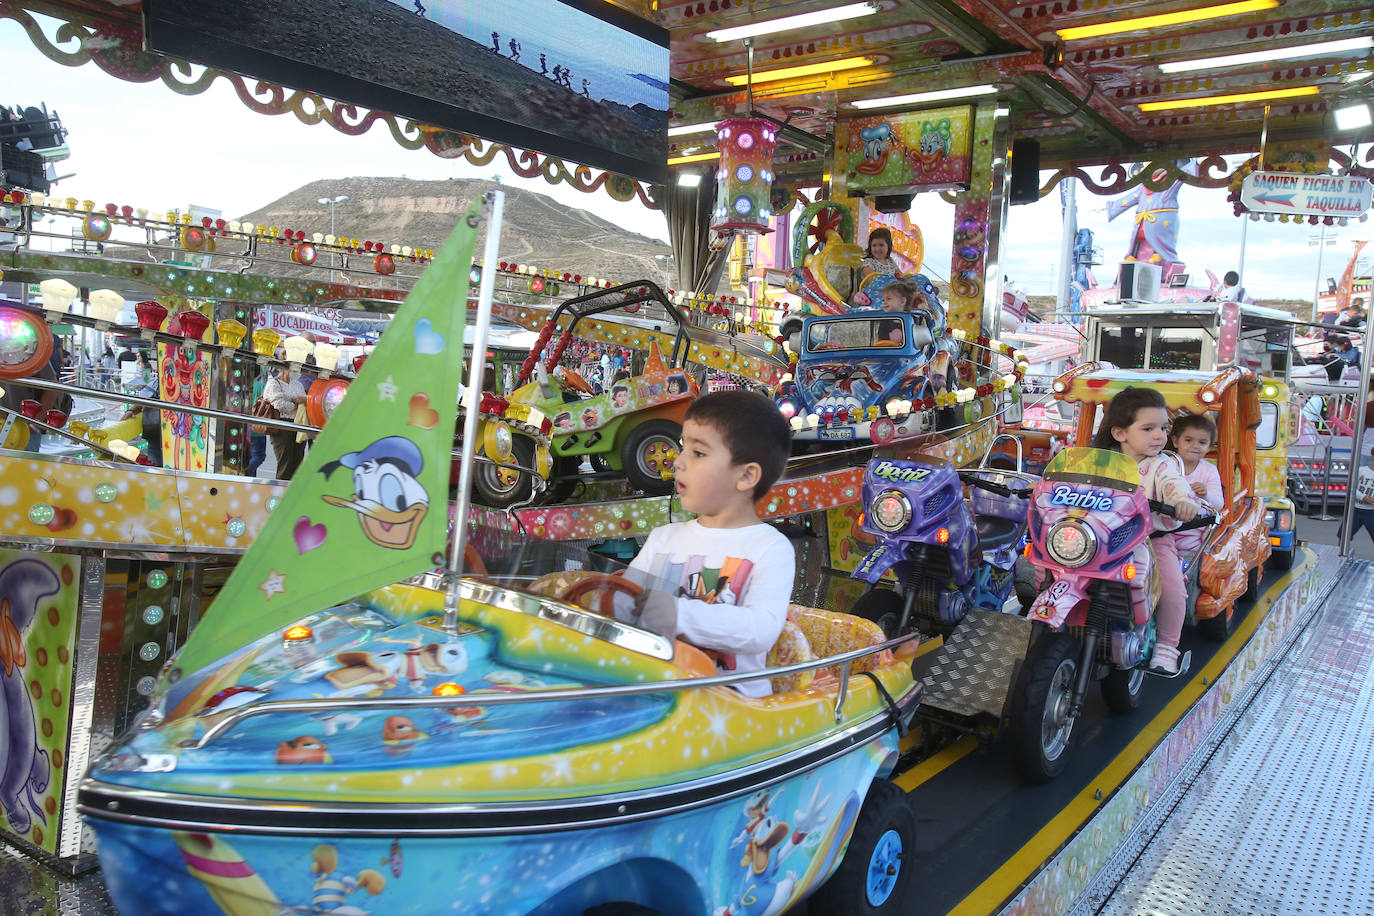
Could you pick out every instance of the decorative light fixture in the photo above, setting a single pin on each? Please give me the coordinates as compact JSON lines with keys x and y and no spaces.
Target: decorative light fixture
{"x":786,"y":73}
{"x":1352,"y":117}
{"x":1256,"y":57}
{"x":936,"y":95}
{"x":106,"y":304}
{"x":688,"y":179}
{"x":684,"y":129}
{"x":57,"y":295}
{"x":265,"y":341}
{"x":231,"y":333}
{"x":1179,"y":17}
{"x":799,"y":21}
{"x":297,"y":349}
{"x":326,"y":356}
{"x":1239,"y":97}
{"x":745,"y":176}
{"x":696,"y":157}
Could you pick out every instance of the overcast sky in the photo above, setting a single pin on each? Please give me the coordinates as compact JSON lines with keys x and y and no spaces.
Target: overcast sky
{"x":143,"y":144}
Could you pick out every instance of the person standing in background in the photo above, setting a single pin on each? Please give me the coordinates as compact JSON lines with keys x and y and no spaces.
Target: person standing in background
{"x":286,"y":393}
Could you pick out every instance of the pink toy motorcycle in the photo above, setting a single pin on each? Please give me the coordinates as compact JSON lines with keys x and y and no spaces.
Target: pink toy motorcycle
{"x":1089,"y":527}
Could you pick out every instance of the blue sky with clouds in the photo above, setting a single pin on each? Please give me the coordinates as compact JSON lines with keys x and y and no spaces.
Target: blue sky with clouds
{"x":146,"y":145}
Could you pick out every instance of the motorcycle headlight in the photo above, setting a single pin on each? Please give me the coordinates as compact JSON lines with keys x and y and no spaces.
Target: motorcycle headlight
{"x":891,"y":510}
{"x":1070,"y":543}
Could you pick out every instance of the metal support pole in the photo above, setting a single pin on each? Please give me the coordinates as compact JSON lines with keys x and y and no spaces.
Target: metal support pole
{"x":1356,"y":448}
{"x":1326,"y":485}
{"x":471,"y":395}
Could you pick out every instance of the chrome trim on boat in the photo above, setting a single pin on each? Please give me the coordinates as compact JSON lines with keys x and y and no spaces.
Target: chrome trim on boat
{"x":267,"y":707}
{"x":154,"y":808}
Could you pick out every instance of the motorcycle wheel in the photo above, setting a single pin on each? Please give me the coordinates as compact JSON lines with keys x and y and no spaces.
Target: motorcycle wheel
{"x":1123,"y":688}
{"x":882,"y":606}
{"x":1041,"y":727}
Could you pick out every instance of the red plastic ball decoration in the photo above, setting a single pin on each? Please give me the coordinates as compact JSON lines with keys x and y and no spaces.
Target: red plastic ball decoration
{"x":384,"y":264}
{"x":304,"y":253}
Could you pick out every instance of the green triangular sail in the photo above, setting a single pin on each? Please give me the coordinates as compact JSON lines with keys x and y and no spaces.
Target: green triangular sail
{"x":368,"y":505}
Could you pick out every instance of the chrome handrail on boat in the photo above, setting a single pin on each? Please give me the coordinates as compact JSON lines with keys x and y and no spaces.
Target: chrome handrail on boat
{"x":235,"y":716}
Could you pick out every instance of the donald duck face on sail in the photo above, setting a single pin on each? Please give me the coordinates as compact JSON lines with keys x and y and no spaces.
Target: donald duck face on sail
{"x":387,"y":495}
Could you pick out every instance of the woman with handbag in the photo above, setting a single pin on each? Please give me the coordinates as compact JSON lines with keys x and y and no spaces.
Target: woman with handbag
{"x":285,"y":392}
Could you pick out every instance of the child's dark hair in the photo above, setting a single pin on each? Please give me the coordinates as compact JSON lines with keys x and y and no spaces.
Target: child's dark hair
{"x":753,"y":430}
{"x":1121,"y":413}
{"x":1193,"y":421}
{"x":882,"y":232}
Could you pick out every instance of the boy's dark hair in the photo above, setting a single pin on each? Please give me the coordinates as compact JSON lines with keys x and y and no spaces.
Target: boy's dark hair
{"x":753,"y":430}
{"x":1193,"y":421}
{"x":1121,"y":413}
{"x":1231,"y":278}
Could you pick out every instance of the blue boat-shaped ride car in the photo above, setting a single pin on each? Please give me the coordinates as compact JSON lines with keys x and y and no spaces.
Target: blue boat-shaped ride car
{"x":365,"y":757}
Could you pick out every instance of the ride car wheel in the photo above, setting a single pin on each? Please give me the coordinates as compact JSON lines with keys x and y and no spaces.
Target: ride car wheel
{"x":650,"y":447}
{"x":1041,"y":724}
{"x":1252,"y":584}
{"x":1282,"y":559}
{"x":499,"y":487}
{"x":882,"y":606}
{"x":876,"y":872}
{"x":600,"y":464}
{"x":1122,"y":689}
{"x":1219,"y":627}
{"x":565,"y":480}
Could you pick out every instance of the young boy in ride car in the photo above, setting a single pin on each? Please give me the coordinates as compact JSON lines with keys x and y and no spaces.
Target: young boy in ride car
{"x":723,"y":580}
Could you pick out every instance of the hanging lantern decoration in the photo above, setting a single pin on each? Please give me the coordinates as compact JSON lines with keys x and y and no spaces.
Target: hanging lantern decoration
{"x":304,"y":253}
{"x":194,"y":238}
{"x":745,"y":175}
{"x":384,"y":264}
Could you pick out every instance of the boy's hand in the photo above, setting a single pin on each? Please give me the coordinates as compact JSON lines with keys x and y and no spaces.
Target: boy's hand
{"x":656,"y":611}
{"x":1185,"y":511}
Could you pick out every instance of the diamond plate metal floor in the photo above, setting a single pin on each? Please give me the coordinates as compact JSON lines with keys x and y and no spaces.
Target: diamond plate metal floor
{"x":1281,"y":820}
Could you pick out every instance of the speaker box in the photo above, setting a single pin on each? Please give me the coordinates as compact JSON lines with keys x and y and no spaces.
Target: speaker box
{"x":1140,"y":281}
{"x":1025,"y":171}
{"x":893,"y":203}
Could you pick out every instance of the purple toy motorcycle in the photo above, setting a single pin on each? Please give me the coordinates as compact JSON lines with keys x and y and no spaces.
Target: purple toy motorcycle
{"x":948,"y":553}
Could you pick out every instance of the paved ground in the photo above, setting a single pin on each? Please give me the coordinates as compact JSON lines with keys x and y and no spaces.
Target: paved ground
{"x":1309,"y":529}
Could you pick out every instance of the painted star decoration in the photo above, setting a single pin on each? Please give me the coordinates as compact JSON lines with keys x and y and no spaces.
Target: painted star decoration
{"x":274,"y":584}
{"x":386,"y":390}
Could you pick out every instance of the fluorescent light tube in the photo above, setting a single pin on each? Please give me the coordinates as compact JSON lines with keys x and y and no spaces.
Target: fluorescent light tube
{"x":1117,"y":26}
{"x":1256,"y":57}
{"x":701,"y":128}
{"x":938,"y":95}
{"x":799,"y":21}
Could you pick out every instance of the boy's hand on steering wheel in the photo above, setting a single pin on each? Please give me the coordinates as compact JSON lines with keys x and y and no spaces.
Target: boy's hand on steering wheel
{"x":656,"y":611}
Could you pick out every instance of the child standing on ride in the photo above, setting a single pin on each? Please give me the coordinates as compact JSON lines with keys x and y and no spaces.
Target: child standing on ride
{"x":723,"y":580}
{"x":1136,"y":423}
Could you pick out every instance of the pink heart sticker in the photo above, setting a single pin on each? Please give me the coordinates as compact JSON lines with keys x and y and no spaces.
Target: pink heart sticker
{"x":308,"y":536}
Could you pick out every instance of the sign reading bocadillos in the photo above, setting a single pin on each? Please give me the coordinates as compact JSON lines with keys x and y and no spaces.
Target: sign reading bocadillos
{"x":1306,"y":195}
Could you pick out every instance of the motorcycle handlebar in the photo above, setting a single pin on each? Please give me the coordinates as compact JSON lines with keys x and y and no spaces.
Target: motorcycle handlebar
{"x":1202,"y":521}
{"x":999,"y":489}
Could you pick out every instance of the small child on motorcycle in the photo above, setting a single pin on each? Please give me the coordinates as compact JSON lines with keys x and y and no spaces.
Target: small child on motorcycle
{"x":1136,"y":424}
{"x":1191,"y":438}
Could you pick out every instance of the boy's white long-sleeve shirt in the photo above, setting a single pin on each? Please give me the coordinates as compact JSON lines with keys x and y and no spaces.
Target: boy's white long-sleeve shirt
{"x":732,"y":586}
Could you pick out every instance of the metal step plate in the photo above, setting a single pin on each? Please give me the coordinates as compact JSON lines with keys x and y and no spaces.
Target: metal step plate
{"x":973,"y":671}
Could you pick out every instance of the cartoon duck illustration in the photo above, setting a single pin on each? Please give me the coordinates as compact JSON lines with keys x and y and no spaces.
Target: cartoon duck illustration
{"x":433,"y":658}
{"x":231,"y":882}
{"x":303,"y":749}
{"x":389,"y":499}
{"x":768,"y":842}
{"x":331,"y":891}
{"x":400,"y":730}
{"x":877,"y":142}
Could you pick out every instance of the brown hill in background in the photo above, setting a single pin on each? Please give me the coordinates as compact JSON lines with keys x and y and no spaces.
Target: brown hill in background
{"x":536,"y":228}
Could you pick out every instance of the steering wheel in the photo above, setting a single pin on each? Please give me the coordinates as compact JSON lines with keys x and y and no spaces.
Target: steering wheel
{"x":576,"y":382}
{"x":607,"y":584}
{"x":887,"y":343}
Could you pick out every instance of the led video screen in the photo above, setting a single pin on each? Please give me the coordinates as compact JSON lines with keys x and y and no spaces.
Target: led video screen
{"x":584,"y":81}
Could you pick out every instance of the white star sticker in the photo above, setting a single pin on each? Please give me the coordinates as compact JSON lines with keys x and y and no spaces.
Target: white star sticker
{"x":386,"y":390}
{"x":274,"y":584}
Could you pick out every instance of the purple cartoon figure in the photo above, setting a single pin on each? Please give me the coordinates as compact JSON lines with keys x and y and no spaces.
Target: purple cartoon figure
{"x":24,"y":765}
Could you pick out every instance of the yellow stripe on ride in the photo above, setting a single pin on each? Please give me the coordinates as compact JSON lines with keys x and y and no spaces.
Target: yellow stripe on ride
{"x":999,"y":887}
